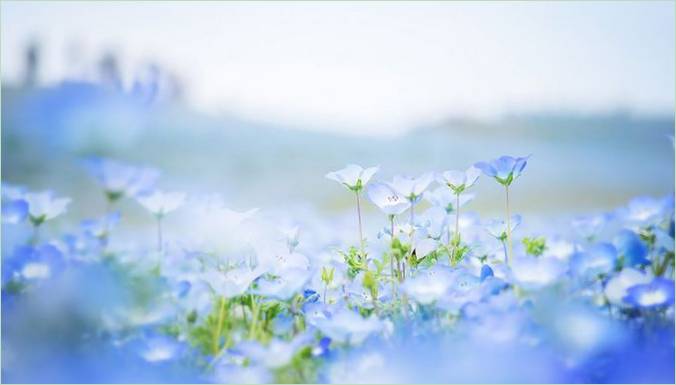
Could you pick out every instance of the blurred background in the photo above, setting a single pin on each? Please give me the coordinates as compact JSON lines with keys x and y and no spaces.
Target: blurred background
{"x":257,"y":101}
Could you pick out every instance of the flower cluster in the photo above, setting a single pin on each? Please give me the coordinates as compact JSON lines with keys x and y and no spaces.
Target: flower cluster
{"x":437,"y":294}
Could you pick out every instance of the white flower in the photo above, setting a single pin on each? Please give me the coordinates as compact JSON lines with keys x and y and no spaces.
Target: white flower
{"x":429,"y":286}
{"x":277,"y":353}
{"x":347,"y":326}
{"x":459,"y":181}
{"x":354,"y":177}
{"x":616,"y":288}
{"x":233,"y":283}
{"x":44,"y":206}
{"x":533,"y":273}
{"x":412,"y":188}
{"x":444,"y":198}
{"x":285,"y":286}
{"x":388,"y":200}
{"x":119,"y":179}
{"x":160,"y":203}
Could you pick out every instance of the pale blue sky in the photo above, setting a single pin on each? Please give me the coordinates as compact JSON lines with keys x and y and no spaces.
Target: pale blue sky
{"x":372,"y":67}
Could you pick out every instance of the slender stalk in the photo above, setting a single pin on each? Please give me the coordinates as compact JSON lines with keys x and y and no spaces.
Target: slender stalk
{"x":254,"y":318}
{"x":412,"y":214}
{"x":36,"y":235}
{"x":457,"y":215}
{"x":324,"y":296}
{"x":504,"y":249}
{"x":394,"y":290}
{"x":361,"y":236}
{"x":509,"y":227}
{"x":159,"y":234}
{"x":219,"y":326}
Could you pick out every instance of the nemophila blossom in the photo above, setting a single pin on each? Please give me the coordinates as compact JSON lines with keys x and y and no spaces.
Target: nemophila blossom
{"x":646,"y":210}
{"x":14,"y":211}
{"x":346,"y":326}
{"x":501,"y":230}
{"x":43,"y":206}
{"x":596,"y":261}
{"x":429,"y":286}
{"x":589,"y":227}
{"x":412,"y":188}
{"x":505,"y":170}
{"x":160,"y":203}
{"x":232,"y":283}
{"x":276,"y":353}
{"x":617,"y":286}
{"x":444,"y":198}
{"x":535,"y":273}
{"x":658,"y":293}
{"x":284,"y":286}
{"x":630,"y":247}
{"x":33,"y":263}
{"x":100,"y":228}
{"x":160,"y":348}
{"x":119,"y":179}
{"x":355,"y":178}
{"x":388,"y":201}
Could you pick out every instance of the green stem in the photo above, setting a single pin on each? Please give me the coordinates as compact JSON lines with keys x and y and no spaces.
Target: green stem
{"x":509,"y":228}
{"x":219,"y":327}
{"x":159,"y":234}
{"x":394,"y":290}
{"x":254,"y":318}
{"x":361,"y":235}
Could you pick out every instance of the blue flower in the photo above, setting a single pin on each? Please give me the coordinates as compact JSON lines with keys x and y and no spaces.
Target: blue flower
{"x":14,"y":211}
{"x":504,"y":169}
{"x":631,"y":248}
{"x":600,"y":259}
{"x":659,"y":292}
{"x":486,"y":272}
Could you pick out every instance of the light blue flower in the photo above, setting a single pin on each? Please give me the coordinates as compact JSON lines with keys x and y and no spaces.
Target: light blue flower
{"x":430,"y":285}
{"x":646,"y":210}
{"x":276,"y":353}
{"x":284,"y":286}
{"x":590,"y":226}
{"x":412,"y":188}
{"x":232,"y":283}
{"x":504,"y":169}
{"x":633,"y":251}
{"x":616,"y":287}
{"x":100,"y":228}
{"x":658,"y":293}
{"x":160,"y":203}
{"x":353,"y":177}
{"x":535,"y":273}
{"x":14,"y":211}
{"x":599,"y":259}
{"x":459,"y":181}
{"x":160,"y":348}
{"x":498,"y":227}
{"x":346,"y":326}
{"x":445,"y":199}
{"x":388,"y":201}
{"x":486,"y":272}
{"x":44,"y":206}
{"x":119,"y":179}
